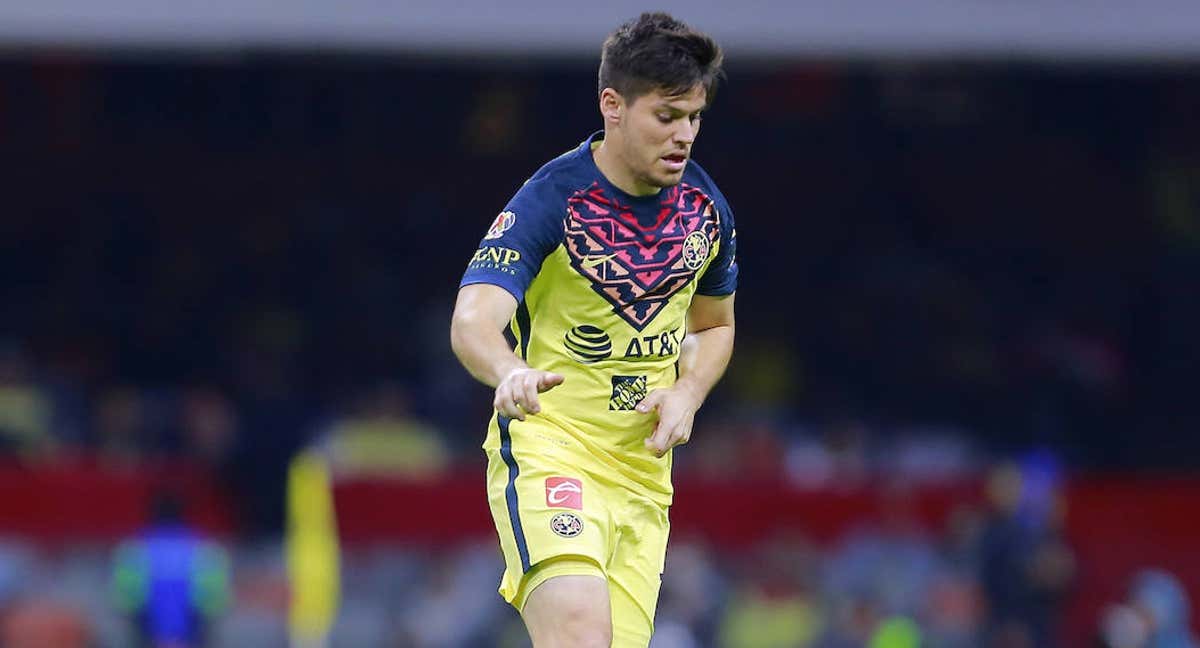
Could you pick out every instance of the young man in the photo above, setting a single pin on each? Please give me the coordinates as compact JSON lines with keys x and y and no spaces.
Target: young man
{"x":615,"y":265}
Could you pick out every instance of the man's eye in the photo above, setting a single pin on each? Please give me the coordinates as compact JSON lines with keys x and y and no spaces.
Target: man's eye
{"x":664,"y":118}
{"x":696,"y":117}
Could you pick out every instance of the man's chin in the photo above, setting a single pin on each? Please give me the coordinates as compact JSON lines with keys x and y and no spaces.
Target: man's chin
{"x":667,"y":180}
{"x":660,"y":180}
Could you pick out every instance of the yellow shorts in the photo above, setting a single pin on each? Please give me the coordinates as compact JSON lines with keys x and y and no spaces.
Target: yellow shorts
{"x":552,"y":501}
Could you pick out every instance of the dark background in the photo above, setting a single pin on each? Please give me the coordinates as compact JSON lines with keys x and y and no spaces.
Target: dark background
{"x":948,"y":270}
{"x":1012,"y":249}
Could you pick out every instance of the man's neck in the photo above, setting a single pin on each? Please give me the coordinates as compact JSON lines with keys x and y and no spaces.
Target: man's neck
{"x":609,"y":161}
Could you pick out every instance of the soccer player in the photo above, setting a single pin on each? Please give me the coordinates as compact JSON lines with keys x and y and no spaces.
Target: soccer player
{"x":614,"y":265}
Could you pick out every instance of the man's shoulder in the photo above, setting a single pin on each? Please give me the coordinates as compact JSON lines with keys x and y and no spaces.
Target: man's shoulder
{"x":560,"y":174}
{"x":696,"y":176}
{"x":543,"y":197}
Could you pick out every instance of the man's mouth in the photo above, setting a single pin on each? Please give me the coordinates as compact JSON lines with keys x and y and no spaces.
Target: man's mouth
{"x":675,"y":162}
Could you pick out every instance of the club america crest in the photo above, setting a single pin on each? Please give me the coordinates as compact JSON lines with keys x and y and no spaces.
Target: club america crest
{"x":567,"y":525}
{"x":695,"y":250}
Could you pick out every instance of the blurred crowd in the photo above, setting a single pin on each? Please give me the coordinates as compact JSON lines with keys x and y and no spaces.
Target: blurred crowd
{"x":993,"y":576}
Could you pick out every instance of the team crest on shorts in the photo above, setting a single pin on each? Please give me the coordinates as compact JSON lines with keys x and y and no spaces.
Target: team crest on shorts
{"x":695,"y":250}
{"x":567,"y":525}
{"x":499,"y":226}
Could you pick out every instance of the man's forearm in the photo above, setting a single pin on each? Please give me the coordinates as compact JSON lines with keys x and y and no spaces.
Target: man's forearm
{"x":484,"y":352}
{"x":703,"y":357}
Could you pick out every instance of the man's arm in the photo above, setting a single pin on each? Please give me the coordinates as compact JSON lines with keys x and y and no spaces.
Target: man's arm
{"x":703,"y":357}
{"x":477,"y":337}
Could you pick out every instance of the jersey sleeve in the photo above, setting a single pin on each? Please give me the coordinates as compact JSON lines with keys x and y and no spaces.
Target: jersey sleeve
{"x":720,"y":278}
{"x":520,"y":238}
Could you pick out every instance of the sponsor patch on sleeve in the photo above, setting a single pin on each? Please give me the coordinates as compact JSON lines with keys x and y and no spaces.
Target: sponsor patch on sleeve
{"x":501,"y":225}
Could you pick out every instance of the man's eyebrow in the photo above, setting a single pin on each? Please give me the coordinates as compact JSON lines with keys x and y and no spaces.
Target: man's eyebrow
{"x":678,"y":110}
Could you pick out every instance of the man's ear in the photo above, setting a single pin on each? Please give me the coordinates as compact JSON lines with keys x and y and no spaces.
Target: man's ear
{"x":612,"y":106}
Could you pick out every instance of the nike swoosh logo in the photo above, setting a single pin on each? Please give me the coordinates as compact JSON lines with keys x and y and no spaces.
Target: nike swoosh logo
{"x":592,"y":261}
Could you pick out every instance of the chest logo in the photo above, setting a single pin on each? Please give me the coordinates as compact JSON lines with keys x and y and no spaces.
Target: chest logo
{"x":695,"y":250}
{"x":590,"y":261}
{"x":638,"y":261}
{"x":627,"y":392}
{"x":587,"y":344}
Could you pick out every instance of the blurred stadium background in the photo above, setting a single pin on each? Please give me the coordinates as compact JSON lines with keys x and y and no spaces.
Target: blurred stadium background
{"x":963,"y":407}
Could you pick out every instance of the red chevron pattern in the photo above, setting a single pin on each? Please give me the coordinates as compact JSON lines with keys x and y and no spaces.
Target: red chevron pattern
{"x":637,"y":267}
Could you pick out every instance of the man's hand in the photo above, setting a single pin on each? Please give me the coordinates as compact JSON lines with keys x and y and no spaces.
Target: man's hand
{"x":517,"y":393}
{"x":676,"y":408}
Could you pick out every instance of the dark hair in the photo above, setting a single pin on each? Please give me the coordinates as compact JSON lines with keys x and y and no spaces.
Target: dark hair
{"x":656,"y":52}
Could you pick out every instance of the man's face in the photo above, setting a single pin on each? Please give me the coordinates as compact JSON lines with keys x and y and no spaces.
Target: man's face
{"x":658,"y":133}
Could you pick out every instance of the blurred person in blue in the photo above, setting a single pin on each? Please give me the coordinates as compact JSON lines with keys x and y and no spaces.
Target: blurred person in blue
{"x":170,"y":580}
{"x":1154,"y":615}
{"x":1026,"y":566}
{"x":614,"y":268}
{"x":1162,"y":600}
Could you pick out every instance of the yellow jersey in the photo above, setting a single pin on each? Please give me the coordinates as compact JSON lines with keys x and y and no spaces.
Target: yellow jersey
{"x":603,"y":282}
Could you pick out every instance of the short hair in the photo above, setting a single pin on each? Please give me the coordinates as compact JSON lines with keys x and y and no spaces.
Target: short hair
{"x":657,"y":52}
